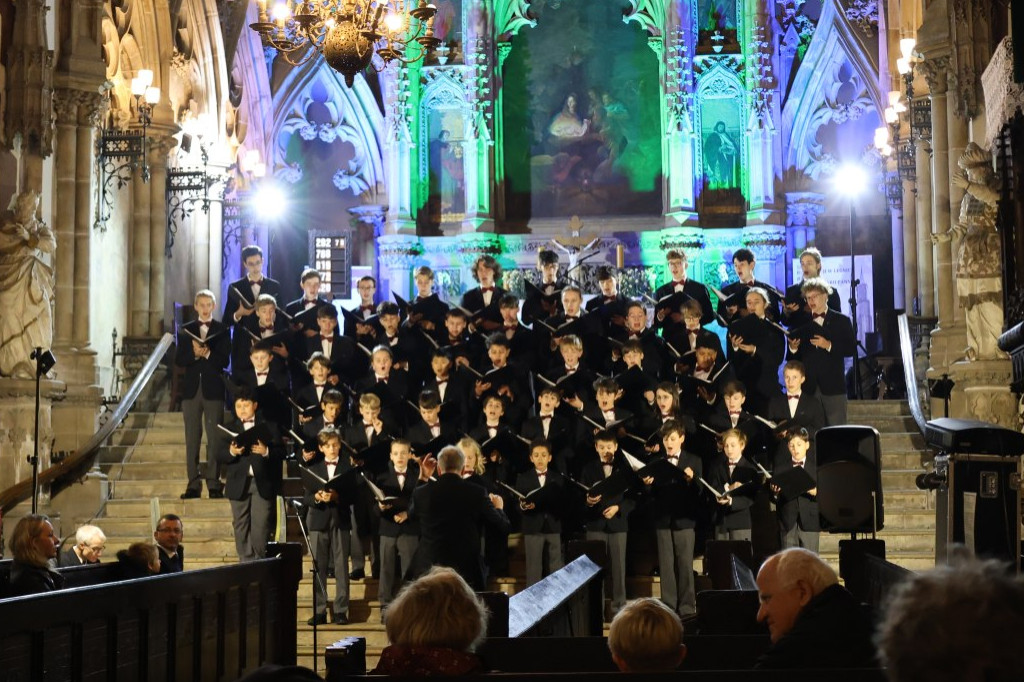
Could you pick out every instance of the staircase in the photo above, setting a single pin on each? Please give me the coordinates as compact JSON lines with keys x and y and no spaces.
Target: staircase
{"x":152,"y":476}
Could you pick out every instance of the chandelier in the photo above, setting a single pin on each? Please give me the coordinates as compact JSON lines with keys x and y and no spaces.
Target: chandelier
{"x":347,"y":32}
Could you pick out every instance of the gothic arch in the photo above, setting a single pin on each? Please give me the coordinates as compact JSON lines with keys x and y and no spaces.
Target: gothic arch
{"x":836,"y":43}
{"x":444,"y":91}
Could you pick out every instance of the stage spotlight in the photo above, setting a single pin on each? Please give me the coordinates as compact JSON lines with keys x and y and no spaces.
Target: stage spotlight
{"x":269,"y":202}
{"x":850,"y":179}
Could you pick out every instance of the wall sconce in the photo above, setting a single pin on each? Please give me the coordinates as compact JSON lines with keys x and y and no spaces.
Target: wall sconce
{"x":121,"y":151}
{"x":188,"y":187}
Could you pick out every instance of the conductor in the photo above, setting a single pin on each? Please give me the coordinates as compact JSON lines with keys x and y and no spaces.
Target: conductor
{"x":451,"y":513}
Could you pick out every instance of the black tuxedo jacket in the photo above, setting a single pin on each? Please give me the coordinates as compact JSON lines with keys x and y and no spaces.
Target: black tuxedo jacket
{"x":392,"y":393}
{"x":804,"y":507}
{"x":679,"y":337}
{"x":546,"y":517}
{"x":458,"y":392}
{"x":677,"y":503}
{"x":419,"y":433}
{"x":320,"y":514}
{"x":592,"y":473}
{"x":809,"y":412}
{"x":203,"y":374}
{"x":272,"y":396}
{"x":561,"y":433}
{"x":350,"y":326}
{"x":826,"y":369}
{"x":244,"y":286}
{"x":347,"y":361}
{"x":299,"y":306}
{"x":737,"y":515}
{"x":473,"y":301}
{"x":387,"y":481}
{"x":758,"y":372}
{"x":695,"y":290}
{"x":524,"y":347}
{"x":534,"y":307}
{"x":803,"y":316}
{"x":169,"y":564}
{"x":266,"y":470}
{"x":774,"y":303}
{"x":607,"y":308}
{"x":657,"y":361}
{"x":432,"y":309}
{"x":242,"y":341}
{"x":452,"y":513}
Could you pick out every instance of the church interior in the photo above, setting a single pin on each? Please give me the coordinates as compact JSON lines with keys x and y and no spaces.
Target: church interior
{"x":145,"y":143}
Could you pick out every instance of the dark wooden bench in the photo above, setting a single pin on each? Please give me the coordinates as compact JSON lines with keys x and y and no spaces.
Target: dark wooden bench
{"x":74,"y":576}
{"x":834,"y":675}
{"x":210,"y":624}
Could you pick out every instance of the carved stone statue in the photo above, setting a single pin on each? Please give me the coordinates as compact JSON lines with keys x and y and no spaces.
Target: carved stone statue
{"x":979,"y":283}
{"x":26,"y":286}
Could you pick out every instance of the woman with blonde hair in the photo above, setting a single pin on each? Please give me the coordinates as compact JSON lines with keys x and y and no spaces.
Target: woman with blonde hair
{"x":433,"y":626}
{"x":33,"y":544}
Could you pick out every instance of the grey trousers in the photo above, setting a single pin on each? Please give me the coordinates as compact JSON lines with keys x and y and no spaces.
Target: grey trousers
{"x":740,"y":534}
{"x":797,"y":537}
{"x":252,"y":520}
{"x":835,"y":408}
{"x":401,"y":549}
{"x":331,"y":542}
{"x":198,"y":414}
{"x":675,"y":564}
{"x":616,"y":544}
{"x":534,"y":544}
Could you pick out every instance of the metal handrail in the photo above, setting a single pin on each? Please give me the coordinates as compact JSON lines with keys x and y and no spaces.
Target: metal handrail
{"x":907,"y":355}
{"x":82,"y":458}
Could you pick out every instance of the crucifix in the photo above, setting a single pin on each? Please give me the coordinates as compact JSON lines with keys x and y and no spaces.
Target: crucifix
{"x":578,"y":248}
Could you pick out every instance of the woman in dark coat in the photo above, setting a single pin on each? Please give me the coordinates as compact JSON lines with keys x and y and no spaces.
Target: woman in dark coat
{"x":34,"y":545}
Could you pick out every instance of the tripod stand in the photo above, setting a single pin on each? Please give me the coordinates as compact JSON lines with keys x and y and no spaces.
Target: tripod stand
{"x":318,"y":582}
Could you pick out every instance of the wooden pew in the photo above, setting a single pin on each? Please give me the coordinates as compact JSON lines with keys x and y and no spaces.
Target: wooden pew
{"x":841,"y":675}
{"x":210,"y":624}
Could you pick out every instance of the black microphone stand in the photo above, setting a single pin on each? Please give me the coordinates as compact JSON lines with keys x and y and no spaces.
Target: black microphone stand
{"x":317,"y":580}
{"x":44,"y":363}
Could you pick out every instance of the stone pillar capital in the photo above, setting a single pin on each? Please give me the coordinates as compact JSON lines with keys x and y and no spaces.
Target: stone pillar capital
{"x":803,"y":208}
{"x":398,"y":251}
{"x":472,"y":246}
{"x":768,"y":243}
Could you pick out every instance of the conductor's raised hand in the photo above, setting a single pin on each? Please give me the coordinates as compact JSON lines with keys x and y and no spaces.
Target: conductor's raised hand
{"x":496,"y":501}
{"x":427,"y":467}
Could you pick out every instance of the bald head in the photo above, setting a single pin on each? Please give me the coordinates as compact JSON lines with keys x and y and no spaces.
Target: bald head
{"x":786,"y":583}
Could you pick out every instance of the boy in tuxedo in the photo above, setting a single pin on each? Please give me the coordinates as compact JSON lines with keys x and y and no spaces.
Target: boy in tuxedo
{"x":797,"y":408}
{"x":610,"y":305}
{"x":557,"y":429}
{"x":607,"y":516}
{"x":202,"y":389}
{"x":452,"y":385}
{"x":523,"y":340}
{"x":743,"y":262}
{"x":465,"y":348}
{"x":327,"y":517}
{"x":309,"y":281}
{"x":399,"y":535}
{"x":266,"y":323}
{"x":332,"y":415}
{"x":542,"y":520}
{"x":270,"y":382}
{"x":676,"y":510}
{"x":543,"y":301}
{"x":319,"y":370}
{"x":428,"y":310}
{"x":251,"y":287}
{"x":401,"y":344}
{"x":795,"y":310}
{"x":574,"y":378}
{"x":503,"y":379}
{"x":603,"y":411}
{"x":346,"y":362}
{"x":729,"y":414}
{"x":799,"y":523}
{"x":389,"y":383}
{"x":253,"y":479}
{"x":671,"y":320}
{"x":367,"y":288}
{"x":429,"y":426}
{"x":483,"y":300}
{"x":729,"y":472}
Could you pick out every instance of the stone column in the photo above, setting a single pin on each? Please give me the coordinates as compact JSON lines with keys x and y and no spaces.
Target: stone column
{"x":398,"y":145}
{"x":66,"y":106}
{"x":923,"y":230}
{"x":768,"y":242}
{"x":90,"y":117}
{"x":398,"y":254}
{"x":159,"y":148}
{"x":956,"y":130}
{"x":907,"y":230}
{"x":480,"y":57}
{"x":802,"y":211}
{"x":368,"y":226}
{"x":141,"y":237}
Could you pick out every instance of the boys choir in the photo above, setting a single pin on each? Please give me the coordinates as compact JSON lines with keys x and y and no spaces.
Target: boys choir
{"x":577,"y":416}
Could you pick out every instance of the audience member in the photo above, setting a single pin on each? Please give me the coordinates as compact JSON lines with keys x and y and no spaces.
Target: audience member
{"x":88,"y":548}
{"x":959,"y":623}
{"x":646,"y":636}
{"x":813,"y":621}
{"x":33,"y":544}
{"x":139,"y":560}
{"x":168,"y":534}
{"x":433,"y":626}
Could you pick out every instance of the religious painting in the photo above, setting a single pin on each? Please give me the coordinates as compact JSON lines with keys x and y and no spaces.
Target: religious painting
{"x":581,"y":115}
{"x":448,"y":29}
{"x":446,"y":201}
{"x":721,"y":136}
{"x":716,"y":15}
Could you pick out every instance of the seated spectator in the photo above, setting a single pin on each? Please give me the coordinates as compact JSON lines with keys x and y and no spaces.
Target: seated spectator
{"x":433,"y":626}
{"x":88,"y":548}
{"x":138,"y":561}
{"x":646,"y":636}
{"x":169,"y":531}
{"x":959,"y":623}
{"x":34,"y":545}
{"x":813,"y":621}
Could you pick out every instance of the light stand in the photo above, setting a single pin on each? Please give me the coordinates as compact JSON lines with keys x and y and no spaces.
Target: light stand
{"x":44,"y":363}
{"x":317,"y":580}
{"x":854,"y":283}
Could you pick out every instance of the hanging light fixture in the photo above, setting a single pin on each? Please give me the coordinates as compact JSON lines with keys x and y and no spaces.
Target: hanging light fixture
{"x":348,"y":32}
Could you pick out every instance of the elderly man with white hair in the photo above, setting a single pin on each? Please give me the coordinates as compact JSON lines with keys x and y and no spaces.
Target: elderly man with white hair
{"x":90,"y":542}
{"x":814,"y":622}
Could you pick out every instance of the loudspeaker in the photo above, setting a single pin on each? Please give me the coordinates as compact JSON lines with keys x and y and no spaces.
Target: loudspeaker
{"x":718,"y":558}
{"x":849,"y":479}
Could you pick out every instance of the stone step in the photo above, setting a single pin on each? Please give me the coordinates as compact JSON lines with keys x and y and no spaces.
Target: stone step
{"x":909,"y":440}
{"x":869,"y":408}
{"x":150,"y":471}
{"x":900,"y":424}
{"x":215,"y":550}
{"x":899,"y":479}
{"x":133,"y":490}
{"x":167,"y":435}
{"x":905,"y":459}
{"x":897,"y":540}
{"x":909,"y":499}
{"x":194,"y":528}
{"x":187,"y":509}
{"x":143,"y":454}
{"x":145,"y":420}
